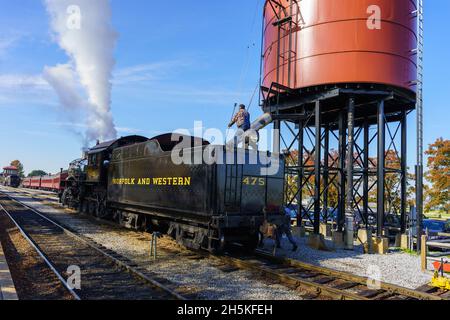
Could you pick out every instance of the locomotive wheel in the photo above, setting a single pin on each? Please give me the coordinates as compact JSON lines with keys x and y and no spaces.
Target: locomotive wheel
{"x":92,"y":208}
{"x":251,"y":243}
{"x":101,"y":211}
{"x":84,"y":207}
{"x":218,"y":246}
{"x":64,"y":198}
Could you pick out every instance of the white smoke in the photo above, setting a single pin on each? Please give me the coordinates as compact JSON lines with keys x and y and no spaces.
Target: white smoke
{"x":83,"y":29}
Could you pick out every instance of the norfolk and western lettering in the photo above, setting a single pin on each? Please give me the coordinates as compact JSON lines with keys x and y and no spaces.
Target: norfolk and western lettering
{"x":158,"y":181}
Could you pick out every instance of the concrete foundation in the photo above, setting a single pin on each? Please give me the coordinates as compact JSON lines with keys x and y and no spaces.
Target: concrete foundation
{"x":7,"y":288}
{"x":338,"y":239}
{"x":363,"y":236}
{"x":299,"y":232}
{"x":365,"y":239}
{"x":349,"y":232}
{"x":325,"y":229}
{"x":317,"y":242}
{"x":381,"y":245}
{"x":402,"y":241}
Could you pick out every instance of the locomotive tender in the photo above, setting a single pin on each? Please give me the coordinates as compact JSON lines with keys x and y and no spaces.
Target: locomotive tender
{"x":203,"y":205}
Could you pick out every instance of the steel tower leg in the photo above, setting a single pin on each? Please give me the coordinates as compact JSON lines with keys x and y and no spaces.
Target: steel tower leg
{"x":381,"y":168}
{"x":317,"y":160}
{"x":366,"y":172}
{"x":404,"y":169}
{"x":326,"y":171}
{"x":349,"y":214}
{"x":276,"y":136}
{"x":300,"y":173}
{"x":342,"y":155}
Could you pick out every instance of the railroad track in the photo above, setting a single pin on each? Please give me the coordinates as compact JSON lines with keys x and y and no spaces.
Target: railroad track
{"x":104,"y":275}
{"x":319,"y":282}
{"x":39,"y":195}
{"x":322,"y":282}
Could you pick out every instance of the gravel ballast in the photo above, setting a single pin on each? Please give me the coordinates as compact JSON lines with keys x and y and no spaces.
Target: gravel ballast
{"x":396,"y":267}
{"x":201,"y":277}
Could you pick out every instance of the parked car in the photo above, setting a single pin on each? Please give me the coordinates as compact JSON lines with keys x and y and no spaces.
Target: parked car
{"x":435,"y":226}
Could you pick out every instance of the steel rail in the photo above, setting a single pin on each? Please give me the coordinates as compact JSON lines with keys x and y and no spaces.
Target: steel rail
{"x":291,"y":281}
{"x":116,"y":261}
{"x":41,"y":254}
{"x":391,"y":288}
{"x":311,"y":286}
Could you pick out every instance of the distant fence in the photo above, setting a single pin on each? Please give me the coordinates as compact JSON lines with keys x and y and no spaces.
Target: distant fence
{"x":443,"y":244}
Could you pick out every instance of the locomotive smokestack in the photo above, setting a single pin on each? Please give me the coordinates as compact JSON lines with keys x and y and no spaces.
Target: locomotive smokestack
{"x":84,"y":154}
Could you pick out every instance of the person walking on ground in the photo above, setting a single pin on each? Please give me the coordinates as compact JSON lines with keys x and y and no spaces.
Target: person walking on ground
{"x":285,"y":228}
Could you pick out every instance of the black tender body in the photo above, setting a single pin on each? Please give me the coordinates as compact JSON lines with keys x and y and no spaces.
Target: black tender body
{"x":202,"y":205}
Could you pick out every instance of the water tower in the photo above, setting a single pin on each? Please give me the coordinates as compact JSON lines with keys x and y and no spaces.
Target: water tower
{"x":342,"y":73}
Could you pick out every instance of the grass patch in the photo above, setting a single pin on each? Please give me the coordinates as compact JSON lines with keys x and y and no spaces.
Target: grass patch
{"x":408,"y":251}
{"x":437,"y":215}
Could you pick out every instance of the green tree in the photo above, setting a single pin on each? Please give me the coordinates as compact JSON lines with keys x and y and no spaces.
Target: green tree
{"x":438,"y":193}
{"x":19,"y":166}
{"x":37,"y":173}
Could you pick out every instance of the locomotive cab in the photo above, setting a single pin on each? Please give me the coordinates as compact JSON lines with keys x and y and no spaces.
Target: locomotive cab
{"x":94,"y":167}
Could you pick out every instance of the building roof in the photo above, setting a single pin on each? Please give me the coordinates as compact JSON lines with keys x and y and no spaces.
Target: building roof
{"x":10,"y":168}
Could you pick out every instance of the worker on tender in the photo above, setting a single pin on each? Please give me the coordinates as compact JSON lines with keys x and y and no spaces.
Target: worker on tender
{"x":241,"y":119}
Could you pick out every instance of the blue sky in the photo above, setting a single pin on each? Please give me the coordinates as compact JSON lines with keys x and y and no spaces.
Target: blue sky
{"x":177,"y":63}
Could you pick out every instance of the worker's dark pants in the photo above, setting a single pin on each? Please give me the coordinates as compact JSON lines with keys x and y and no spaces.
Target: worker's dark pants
{"x":287,"y":231}
{"x":244,"y":127}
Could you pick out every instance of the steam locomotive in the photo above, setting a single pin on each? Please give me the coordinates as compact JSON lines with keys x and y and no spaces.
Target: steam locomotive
{"x":202,"y":204}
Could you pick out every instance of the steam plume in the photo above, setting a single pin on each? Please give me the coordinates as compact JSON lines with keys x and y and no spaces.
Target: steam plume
{"x":83,"y":29}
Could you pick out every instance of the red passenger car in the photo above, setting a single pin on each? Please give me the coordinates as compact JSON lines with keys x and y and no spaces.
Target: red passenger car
{"x":55,"y":183}
{"x":26,"y":182}
{"x":35,"y":182}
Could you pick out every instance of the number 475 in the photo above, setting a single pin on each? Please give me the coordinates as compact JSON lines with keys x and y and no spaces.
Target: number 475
{"x":253,"y":181}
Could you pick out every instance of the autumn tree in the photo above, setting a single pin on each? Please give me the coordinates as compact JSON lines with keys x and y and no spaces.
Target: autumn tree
{"x":309,"y":179}
{"x":292,"y":179}
{"x":438,"y":176}
{"x":19,"y":166}
{"x":392,"y":182}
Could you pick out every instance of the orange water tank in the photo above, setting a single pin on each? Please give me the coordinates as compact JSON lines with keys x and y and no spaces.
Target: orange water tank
{"x":320,"y":42}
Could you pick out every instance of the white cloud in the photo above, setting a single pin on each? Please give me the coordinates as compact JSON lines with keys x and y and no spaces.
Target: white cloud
{"x":145,"y":73}
{"x":7,"y":43}
{"x":21,"y":81}
{"x":79,"y":125}
{"x":24,"y":89}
